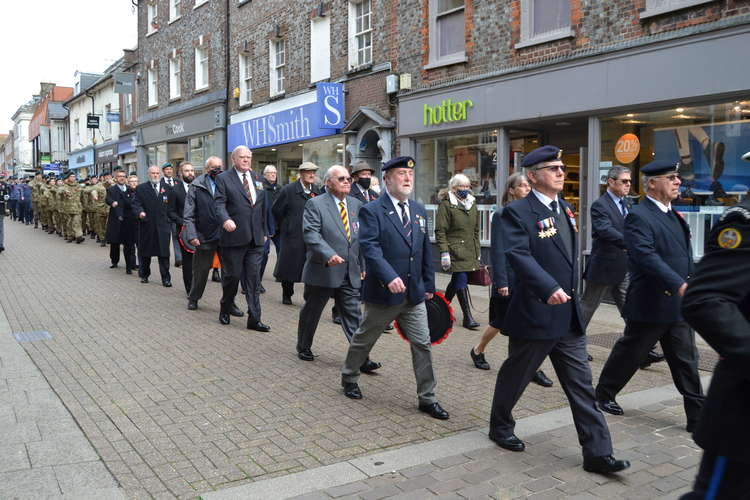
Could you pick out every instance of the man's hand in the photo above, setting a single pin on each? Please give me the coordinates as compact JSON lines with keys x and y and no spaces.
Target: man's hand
{"x":195,"y":242}
{"x":229,"y":226}
{"x":362,"y":275}
{"x":142,"y":215}
{"x":428,"y":295}
{"x":682,"y":289}
{"x":504,"y":291}
{"x":335,"y":261}
{"x":114,"y":204}
{"x":396,"y":286}
{"x":559,"y":297}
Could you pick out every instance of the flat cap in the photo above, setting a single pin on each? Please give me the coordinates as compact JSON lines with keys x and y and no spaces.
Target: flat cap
{"x":539,"y":155}
{"x":399,"y":162}
{"x":309,"y":166}
{"x":658,"y":167}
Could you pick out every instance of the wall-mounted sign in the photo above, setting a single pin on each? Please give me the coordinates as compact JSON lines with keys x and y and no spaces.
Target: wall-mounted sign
{"x":447,"y":111}
{"x":331,"y":102}
{"x":45,"y":159}
{"x":113,"y":117}
{"x":627,"y":148}
{"x":124,"y":83}
{"x":92,"y":121}
{"x":176,"y":128}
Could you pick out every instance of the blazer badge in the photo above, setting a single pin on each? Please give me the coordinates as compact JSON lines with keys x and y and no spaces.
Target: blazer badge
{"x":422,"y":223}
{"x":547,"y":228}
{"x":572,"y":218}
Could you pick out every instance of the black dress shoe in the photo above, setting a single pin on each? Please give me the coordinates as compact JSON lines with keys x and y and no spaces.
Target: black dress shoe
{"x":610,"y":406}
{"x":652,"y":357}
{"x":589,"y":357}
{"x":434,"y":410}
{"x":287,"y":301}
{"x":235,"y":311}
{"x":261,"y":289}
{"x":178,"y":263}
{"x":369,"y":366}
{"x":306,"y":355}
{"x":511,"y":443}
{"x":144,"y":280}
{"x":604,"y":465}
{"x":166,"y":283}
{"x":351,"y":390}
{"x":541,"y":379}
{"x":224,"y":318}
{"x":336,"y":319}
{"x":192,"y":305}
{"x":113,"y":266}
{"x":389,"y":327}
{"x":79,"y":240}
{"x":479,"y":360}
{"x":257,"y":326}
{"x":128,"y":271}
{"x":215,"y":277}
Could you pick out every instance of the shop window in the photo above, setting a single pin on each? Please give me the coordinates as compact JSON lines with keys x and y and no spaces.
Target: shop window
{"x":76,"y":134}
{"x":360,"y":33}
{"x":151,"y":18}
{"x":658,"y":7}
{"x":277,"y":61}
{"x":707,"y":141}
{"x":175,"y":10}
{"x":246,"y":82}
{"x":447,"y":27}
{"x":320,"y":49}
{"x":127,"y":100}
{"x":174,"y":78}
{"x":201,"y":68}
{"x":544,"y":21}
{"x":153,"y":94}
{"x":107,"y":124}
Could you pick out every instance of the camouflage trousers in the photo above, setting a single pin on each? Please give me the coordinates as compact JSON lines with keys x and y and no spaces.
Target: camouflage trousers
{"x":100,"y":224}
{"x":74,"y":227}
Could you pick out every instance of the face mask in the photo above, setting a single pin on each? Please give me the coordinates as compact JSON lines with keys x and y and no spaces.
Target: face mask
{"x":214,"y":172}
{"x":463,"y":193}
{"x":376,"y":188}
{"x":364,"y":182}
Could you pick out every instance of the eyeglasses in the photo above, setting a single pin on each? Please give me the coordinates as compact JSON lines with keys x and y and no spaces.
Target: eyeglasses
{"x":553,"y":168}
{"x":624,"y":181}
{"x":670,"y":177}
{"x":344,"y":179}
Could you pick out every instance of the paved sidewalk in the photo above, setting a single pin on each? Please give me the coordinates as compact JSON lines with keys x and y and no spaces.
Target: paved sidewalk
{"x":43,"y":453}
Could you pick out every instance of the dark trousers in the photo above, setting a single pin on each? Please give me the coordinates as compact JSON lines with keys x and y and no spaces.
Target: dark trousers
{"x":145,"y":269}
{"x":569,"y":359}
{"x":678,"y":343}
{"x":26,"y":213}
{"x":459,"y":281}
{"x":267,"y":252}
{"x":202,"y":263}
{"x":128,"y":250}
{"x":12,"y":208}
{"x":241,"y":264}
{"x":287,"y":288}
{"x":176,"y":242}
{"x":187,"y":269}
{"x":346,"y":298}
{"x":720,"y":479}
{"x":595,"y":292}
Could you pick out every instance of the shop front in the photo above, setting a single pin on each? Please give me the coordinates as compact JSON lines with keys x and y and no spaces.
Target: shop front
{"x":606,"y":113}
{"x":285,"y":133}
{"x":189,"y":137}
{"x":126,"y":153}
{"x":82,"y":162}
{"x":106,"y":158}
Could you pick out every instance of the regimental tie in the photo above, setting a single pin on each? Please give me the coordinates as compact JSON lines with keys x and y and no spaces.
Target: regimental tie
{"x":405,"y":219}
{"x":246,"y":185}
{"x":345,"y":220}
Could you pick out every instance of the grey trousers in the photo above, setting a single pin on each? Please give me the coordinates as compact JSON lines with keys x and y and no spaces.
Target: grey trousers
{"x":2,"y":230}
{"x":176,"y":243}
{"x":346,"y":298}
{"x":202,"y":262}
{"x":413,"y":322}
{"x":595,"y":292}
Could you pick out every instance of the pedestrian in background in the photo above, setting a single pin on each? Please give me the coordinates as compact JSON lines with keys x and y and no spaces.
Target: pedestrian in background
{"x":120,"y":223}
{"x":24,"y":203}
{"x":187,"y":174}
{"x":457,"y":238}
{"x":272,"y":188}
{"x":4,"y":197}
{"x":15,"y":195}
{"x":168,"y":181}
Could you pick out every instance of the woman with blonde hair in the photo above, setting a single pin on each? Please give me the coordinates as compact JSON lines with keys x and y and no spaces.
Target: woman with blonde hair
{"x":516,"y":187}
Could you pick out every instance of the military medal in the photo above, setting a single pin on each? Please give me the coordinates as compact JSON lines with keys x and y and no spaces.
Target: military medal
{"x":572,"y":218}
{"x":547,"y":227}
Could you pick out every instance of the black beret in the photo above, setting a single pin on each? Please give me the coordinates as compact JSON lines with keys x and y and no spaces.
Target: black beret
{"x":399,"y":162}
{"x":658,"y":167}
{"x":539,"y":155}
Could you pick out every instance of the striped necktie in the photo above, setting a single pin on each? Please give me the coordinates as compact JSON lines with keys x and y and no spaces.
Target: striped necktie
{"x":405,"y":218}
{"x":345,"y":220}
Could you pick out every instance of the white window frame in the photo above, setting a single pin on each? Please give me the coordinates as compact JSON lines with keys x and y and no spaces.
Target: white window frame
{"x":658,"y":7}
{"x":435,"y":60}
{"x":127,"y":101}
{"x":152,"y":17}
{"x":277,"y":69}
{"x":175,"y":78}
{"x":152,"y":89}
{"x":201,"y":57}
{"x":527,"y":28}
{"x":357,"y":49}
{"x":320,"y":46}
{"x":107,"y":124}
{"x":175,"y":10}
{"x":246,"y":79}
{"x":76,"y":134}
{"x":198,"y":3}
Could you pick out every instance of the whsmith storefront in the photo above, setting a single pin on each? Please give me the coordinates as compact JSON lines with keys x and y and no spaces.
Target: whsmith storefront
{"x":287,"y":132}
{"x":621,"y":107}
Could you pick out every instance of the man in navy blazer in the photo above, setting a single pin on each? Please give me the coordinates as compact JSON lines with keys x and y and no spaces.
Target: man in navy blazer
{"x":544,"y":318}
{"x":394,"y":241}
{"x":660,"y":260}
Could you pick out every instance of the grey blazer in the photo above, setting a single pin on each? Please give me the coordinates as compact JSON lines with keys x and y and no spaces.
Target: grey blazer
{"x":325,"y":237}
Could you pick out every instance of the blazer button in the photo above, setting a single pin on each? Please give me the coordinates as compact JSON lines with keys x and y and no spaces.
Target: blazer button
{"x":411,"y":259}
{"x":667,"y":293}
{"x":408,"y":275}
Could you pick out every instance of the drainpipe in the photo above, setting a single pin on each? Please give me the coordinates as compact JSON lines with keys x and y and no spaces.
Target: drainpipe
{"x":227,"y":61}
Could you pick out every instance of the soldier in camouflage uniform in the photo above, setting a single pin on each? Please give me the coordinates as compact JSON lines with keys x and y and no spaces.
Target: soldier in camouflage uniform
{"x":71,"y":196}
{"x":86,"y":209}
{"x":57,"y":215}
{"x":43,"y":206}
{"x":36,"y":186}
{"x":100,"y":210}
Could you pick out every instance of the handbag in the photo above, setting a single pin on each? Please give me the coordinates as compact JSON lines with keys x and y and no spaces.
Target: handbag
{"x":480,"y":277}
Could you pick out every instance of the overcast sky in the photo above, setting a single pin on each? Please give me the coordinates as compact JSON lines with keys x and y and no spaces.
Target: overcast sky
{"x":48,"y":40}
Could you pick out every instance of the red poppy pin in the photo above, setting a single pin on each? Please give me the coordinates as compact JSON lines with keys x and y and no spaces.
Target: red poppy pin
{"x":572,"y":218}
{"x":162,"y":190}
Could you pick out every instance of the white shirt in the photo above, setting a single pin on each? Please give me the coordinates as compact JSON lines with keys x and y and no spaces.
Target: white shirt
{"x":395,"y":202}
{"x":251,"y":183}
{"x":122,"y":187}
{"x":618,"y":201}
{"x":337,"y":201}
{"x":546,"y":200}
{"x":664,"y":208}
{"x":169,"y":181}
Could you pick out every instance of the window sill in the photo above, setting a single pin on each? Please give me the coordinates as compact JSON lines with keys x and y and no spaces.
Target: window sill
{"x":546,"y":38}
{"x":152,"y":32}
{"x":447,"y":61}
{"x":359,"y":69}
{"x":671,"y":7}
{"x":240,"y":3}
{"x":175,"y":99}
{"x":199,"y":4}
{"x":276,"y":97}
{"x":153,"y":106}
{"x":174,"y":20}
{"x":201,"y":89}
{"x":246,"y":105}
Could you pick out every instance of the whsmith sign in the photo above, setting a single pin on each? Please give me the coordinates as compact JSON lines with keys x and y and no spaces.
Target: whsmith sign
{"x":323,"y":117}
{"x":447,"y":112}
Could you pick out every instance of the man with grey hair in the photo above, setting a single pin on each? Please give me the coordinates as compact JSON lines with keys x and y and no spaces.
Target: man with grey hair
{"x":272,"y":188}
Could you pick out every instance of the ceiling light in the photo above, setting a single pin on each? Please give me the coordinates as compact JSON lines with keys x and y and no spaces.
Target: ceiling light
{"x":340,"y":145}
{"x":679,"y":110}
{"x":273,"y":149}
{"x":630,"y":115}
{"x":737,"y":108}
{"x":326,"y":140}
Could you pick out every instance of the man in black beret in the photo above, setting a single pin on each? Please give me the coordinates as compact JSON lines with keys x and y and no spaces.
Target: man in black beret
{"x":660,"y":261}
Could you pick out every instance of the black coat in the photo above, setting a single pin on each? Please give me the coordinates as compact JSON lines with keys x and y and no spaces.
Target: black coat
{"x":608,"y":262}
{"x":502,"y":274}
{"x":154,"y":231}
{"x":179,"y":203}
{"x":717,"y":305}
{"x":357,"y":193}
{"x":233,"y":203}
{"x":121,"y":223}
{"x":287,"y":213}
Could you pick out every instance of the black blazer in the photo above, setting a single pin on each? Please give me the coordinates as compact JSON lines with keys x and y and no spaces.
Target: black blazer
{"x":163,"y":183}
{"x":357,"y":193}
{"x":660,"y":260}
{"x":608,"y":262}
{"x":541,"y":265}
{"x":502,"y":274}
{"x":154,"y":231}
{"x":233,"y":203}
{"x":179,"y":203}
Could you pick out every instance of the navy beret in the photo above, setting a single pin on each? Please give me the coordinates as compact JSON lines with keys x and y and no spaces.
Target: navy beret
{"x":399,"y":162}
{"x":539,"y":155}
{"x":658,"y":167}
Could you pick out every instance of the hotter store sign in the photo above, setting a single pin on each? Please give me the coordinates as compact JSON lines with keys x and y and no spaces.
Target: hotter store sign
{"x":447,"y":112}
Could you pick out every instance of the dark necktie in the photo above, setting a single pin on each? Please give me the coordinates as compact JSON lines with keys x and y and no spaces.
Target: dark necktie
{"x":156,"y":189}
{"x":553,"y":206}
{"x":246,"y":185}
{"x":622,"y":208}
{"x":405,"y":218}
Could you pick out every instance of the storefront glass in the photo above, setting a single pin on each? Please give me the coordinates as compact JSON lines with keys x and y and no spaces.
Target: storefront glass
{"x":157,"y":154}
{"x":287,"y":157}
{"x":199,"y":149}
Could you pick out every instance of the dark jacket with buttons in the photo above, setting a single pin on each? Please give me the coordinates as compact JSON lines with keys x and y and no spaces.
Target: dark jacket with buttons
{"x":608,"y":262}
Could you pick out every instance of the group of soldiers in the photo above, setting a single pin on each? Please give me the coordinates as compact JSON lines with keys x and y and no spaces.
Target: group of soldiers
{"x":69,"y":208}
